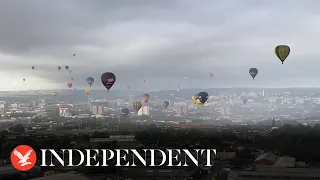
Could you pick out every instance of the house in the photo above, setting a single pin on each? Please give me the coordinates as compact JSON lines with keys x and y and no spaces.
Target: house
{"x":265,"y":159}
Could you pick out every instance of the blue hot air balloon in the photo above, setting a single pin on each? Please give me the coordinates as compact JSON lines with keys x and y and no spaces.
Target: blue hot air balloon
{"x":124,"y":111}
{"x":203,"y":97}
{"x":90,"y":80}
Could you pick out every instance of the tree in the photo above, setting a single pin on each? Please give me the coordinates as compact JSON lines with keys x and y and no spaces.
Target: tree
{"x":18,"y":128}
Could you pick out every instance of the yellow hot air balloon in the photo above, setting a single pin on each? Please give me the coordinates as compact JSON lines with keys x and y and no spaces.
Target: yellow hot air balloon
{"x":282,"y":52}
{"x":193,"y":99}
{"x":200,"y":105}
{"x":87,"y":90}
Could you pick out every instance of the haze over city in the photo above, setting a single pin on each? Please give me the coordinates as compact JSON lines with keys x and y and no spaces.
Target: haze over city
{"x":149,"y":38}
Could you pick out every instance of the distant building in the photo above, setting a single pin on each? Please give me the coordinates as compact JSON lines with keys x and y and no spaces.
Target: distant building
{"x":182,"y":110}
{"x":120,"y":102}
{"x":97,"y":110}
{"x":2,"y":104}
{"x":100,"y":110}
{"x":273,"y":122}
{"x":94,"y":109}
{"x":192,"y":126}
{"x":64,"y":112}
{"x":144,"y":110}
{"x":131,"y":98}
{"x":224,"y":110}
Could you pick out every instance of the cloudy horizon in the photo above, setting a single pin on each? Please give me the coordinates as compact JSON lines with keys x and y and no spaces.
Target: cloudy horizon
{"x":149,"y":38}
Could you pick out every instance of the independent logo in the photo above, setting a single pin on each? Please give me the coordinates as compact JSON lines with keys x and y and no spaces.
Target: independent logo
{"x":23,"y":158}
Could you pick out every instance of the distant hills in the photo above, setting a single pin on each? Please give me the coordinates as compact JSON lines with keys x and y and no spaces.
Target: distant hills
{"x":80,"y":95}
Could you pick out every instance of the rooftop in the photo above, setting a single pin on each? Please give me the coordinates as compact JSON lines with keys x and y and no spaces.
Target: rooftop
{"x":267,"y":156}
{"x":285,"y":161}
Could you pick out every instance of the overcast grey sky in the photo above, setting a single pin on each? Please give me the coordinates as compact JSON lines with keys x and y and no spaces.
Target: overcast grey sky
{"x":147,"y":38}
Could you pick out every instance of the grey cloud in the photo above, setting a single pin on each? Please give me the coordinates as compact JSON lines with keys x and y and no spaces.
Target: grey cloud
{"x":144,"y":38}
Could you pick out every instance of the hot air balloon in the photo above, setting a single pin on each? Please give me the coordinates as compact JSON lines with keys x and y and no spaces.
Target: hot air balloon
{"x":70,"y":71}
{"x":88,"y":90}
{"x":194,"y":98}
{"x":253,"y":72}
{"x":24,"y":79}
{"x":145,"y":97}
{"x":71,"y":79}
{"x":282,"y":52}
{"x":32,"y":67}
{"x":108,"y":79}
{"x":70,"y":85}
{"x":165,"y":104}
{"x":244,"y":100}
{"x":203,"y":97}
{"x":144,"y":81}
{"x":137,"y":105}
{"x":211,"y":74}
{"x":124,"y":111}
{"x":90,"y":81}
{"x":59,"y":68}
{"x":67,"y":67}
{"x":128,"y":87}
{"x":74,"y":54}
{"x":54,"y":93}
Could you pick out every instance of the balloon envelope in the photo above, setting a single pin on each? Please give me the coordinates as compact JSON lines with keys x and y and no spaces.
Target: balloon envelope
{"x":124,"y":111}
{"x":137,"y":105}
{"x":67,"y":67}
{"x":32,"y":67}
{"x":108,"y":79}
{"x":88,"y":90}
{"x":70,"y":85}
{"x":282,"y":52}
{"x":90,"y":80}
{"x":165,"y":104}
{"x":253,"y":72}
{"x":203,"y":97}
{"x":145,"y":97}
{"x":194,"y":98}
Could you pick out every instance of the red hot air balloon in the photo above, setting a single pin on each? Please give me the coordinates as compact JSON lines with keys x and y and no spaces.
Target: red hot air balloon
{"x":108,"y":79}
{"x":70,"y":85}
{"x":145,"y":97}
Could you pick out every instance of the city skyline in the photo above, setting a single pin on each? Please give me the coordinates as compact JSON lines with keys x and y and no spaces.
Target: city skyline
{"x":148,"y":39}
